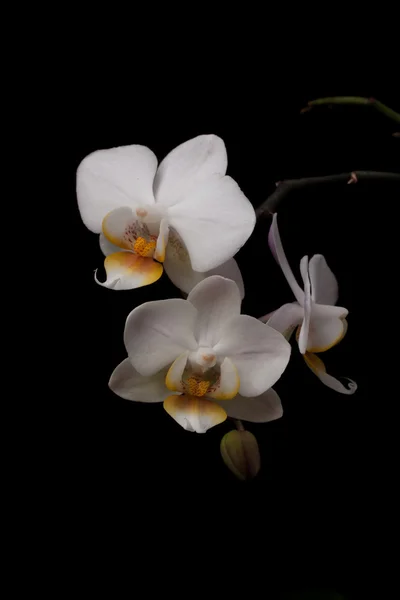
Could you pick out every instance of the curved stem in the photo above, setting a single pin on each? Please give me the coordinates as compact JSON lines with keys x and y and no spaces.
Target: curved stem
{"x":238,"y":424}
{"x":339,"y":100}
{"x":270,"y":205}
{"x":389,"y":112}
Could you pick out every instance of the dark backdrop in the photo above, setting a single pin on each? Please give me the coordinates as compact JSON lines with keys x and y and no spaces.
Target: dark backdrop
{"x":130,"y":468}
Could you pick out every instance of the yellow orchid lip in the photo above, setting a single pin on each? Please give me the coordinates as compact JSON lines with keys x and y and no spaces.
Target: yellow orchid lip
{"x":194,"y":413}
{"x":129,"y":268}
{"x":142,"y":252}
{"x":318,"y":367}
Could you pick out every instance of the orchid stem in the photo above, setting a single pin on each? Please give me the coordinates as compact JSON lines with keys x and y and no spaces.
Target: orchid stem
{"x":239,"y":424}
{"x":269,"y":206}
{"x":389,"y":112}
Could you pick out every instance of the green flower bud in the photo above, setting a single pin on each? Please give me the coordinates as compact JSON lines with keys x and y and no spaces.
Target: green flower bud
{"x":239,"y":450}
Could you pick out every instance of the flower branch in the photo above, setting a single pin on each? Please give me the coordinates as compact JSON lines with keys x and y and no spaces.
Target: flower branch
{"x":270,"y":205}
{"x":355,"y":100}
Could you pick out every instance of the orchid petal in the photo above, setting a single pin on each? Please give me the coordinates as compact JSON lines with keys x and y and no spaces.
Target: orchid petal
{"x":127,"y":383}
{"x":325,"y":333}
{"x":217,"y":301}
{"x":174,"y":376}
{"x":259,"y":353}
{"x":107,"y":247}
{"x":317,"y":366}
{"x":324,"y":286}
{"x":120,"y":227}
{"x":187,"y":166}
{"x":108,"y":179}
{"x":157,"y":332}
{"x":260,"y":409}
{"x":323,"y":311}
{"x":229,"y":270}
{"x":214,"y":220}
{"x":126,"y":271}
{"x":303,"y":337}
{"x":286,"y":318}
{"x":228,"y":384}
{"x":123,"y":228}
{"x":275,"y":244}
{"x":194,"y":413}
{"x":177,"y":264}
{"x":178,"y":267}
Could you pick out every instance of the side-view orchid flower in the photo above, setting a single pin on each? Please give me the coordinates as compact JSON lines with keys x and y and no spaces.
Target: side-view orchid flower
{"x":186,"y":214}
{"x":320,"y":324}
{"x":202,"y":358}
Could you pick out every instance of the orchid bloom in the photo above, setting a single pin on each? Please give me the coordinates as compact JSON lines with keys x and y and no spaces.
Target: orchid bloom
{"x":321,"y":324}
{"x":202,"y":358}
{"x":186,"y":214}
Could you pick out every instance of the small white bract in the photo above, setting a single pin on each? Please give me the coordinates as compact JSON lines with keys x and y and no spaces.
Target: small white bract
{"x":202,"y":358}
{"x":186,"y":214}
{"x":321,"y":325}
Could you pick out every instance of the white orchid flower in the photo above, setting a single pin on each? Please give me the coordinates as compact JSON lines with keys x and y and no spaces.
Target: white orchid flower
{"x":321,"y":324}
{"x":186,"y":214}
{"x":202,"y":358}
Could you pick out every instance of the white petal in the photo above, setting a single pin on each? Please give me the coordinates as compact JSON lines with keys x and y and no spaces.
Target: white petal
{"x":317,"y":366}
{"x":177,"y":264}
{"x":214,"y":220}
{"x":129,"y":384}
{"x":187,"y":166}
{"x":229,"y":270}
{"x":106,"y":246}
{"x":324,"y":286}
{"x":118,"y":225}
{"x":259,"y":353}
{"x":174,"y":376}
{"x":125,"y":229}
{"x":178,"y":267}
{"x":327,"y":327}
{"x":157,"y":332}
{"x":305,"y":326}
{"x":127,"y":271}
{"x":325,"y":333}
{"x":322,"y":311}
{"x":228,"y":384}
{"x":193,"y":413}
{"x":217,"y":301}
{"x":286,"y":318}
{"x":260,"y":409}
{"x":108,"y":179}
{"x":275,"y":244}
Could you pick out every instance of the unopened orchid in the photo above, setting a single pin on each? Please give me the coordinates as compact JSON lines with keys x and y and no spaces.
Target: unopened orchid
{"x":202,"y":358}
{"x":186,"y":214}
{"x":321,"y":325}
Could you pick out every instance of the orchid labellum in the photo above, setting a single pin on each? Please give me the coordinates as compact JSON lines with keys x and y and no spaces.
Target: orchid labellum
{"x":320,"y":324}
{"x":185,"y":214}
{"x":202,"y":358}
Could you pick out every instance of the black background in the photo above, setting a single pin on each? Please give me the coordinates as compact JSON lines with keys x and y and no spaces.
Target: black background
{"x":128,"y":468}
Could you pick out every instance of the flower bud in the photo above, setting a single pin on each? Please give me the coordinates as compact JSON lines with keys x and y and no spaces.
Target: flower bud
{"x":240,"y":452}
